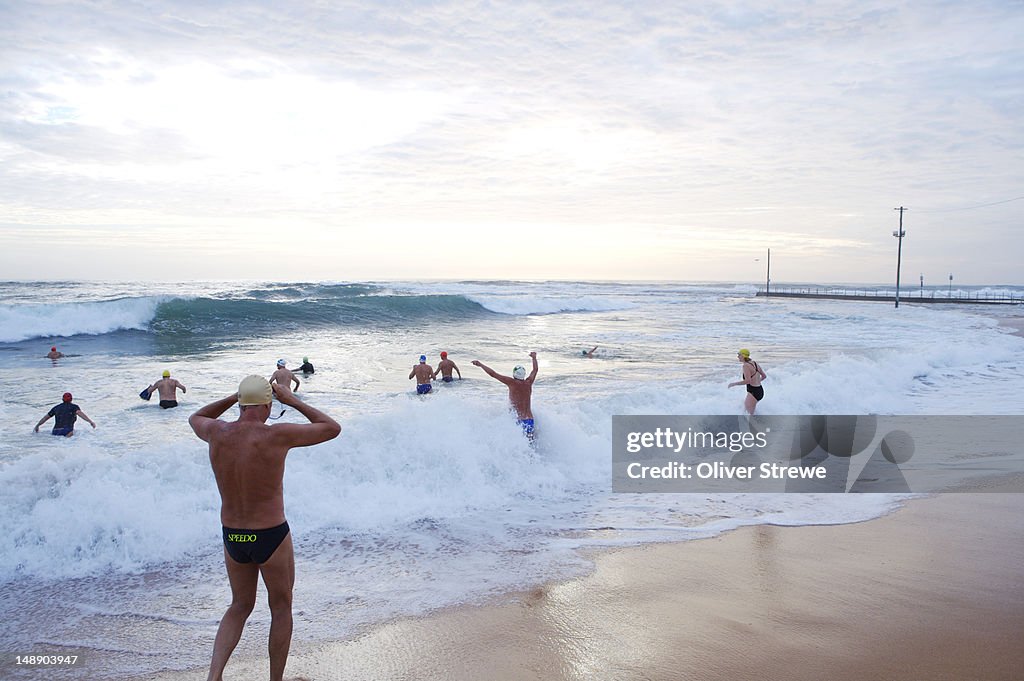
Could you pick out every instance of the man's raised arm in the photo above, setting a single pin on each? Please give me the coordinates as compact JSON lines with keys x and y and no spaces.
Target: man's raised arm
{"x":320,"y":428}
{"x":533,"y":374}
{"x":491,"y":372}
{"x":203,"y":420}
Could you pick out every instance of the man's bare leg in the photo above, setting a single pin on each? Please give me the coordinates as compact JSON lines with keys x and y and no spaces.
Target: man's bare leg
{"x":279,"y":578}
{"x":243,"y":578}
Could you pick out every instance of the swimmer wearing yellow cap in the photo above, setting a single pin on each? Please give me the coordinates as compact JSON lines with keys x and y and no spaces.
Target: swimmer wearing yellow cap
{"x":248,"y":460}
{"x":753,"y":374}
{"x":167,"y":387}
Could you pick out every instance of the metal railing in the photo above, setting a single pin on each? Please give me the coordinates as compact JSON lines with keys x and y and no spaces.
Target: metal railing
{"x":932,"y":296}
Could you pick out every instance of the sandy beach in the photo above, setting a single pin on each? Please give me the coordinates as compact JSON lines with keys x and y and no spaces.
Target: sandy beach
{"x":932,"y":591}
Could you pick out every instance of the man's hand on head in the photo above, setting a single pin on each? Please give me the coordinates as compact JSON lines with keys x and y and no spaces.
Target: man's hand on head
{"x":284,"y":394}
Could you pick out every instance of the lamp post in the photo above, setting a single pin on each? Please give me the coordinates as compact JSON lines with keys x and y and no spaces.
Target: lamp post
{"x":768,"y":274}
{"x":899,"y":234}
{"x":950,"y":285}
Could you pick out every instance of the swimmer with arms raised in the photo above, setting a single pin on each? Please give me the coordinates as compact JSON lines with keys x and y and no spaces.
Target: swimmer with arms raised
{"x":520,"y":392}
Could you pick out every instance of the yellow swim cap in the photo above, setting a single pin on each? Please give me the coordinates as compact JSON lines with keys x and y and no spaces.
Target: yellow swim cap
{"x":167,"y":374}
{"x":254,"y":390}
{"x":745,"y":352}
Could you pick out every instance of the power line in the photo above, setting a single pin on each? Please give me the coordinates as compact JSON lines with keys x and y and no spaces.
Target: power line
{"x":983,"y":205}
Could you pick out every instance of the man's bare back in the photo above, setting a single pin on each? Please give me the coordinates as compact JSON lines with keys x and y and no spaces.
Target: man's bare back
{"x":520,"y":390}
{"x":445,"y":368}
{"x":248,"y":457}
{"x":284,"y":377}
{"x":166,"y":388}
{"x":422,"y":372}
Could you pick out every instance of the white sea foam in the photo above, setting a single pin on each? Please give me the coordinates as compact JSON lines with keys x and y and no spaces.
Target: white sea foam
{"x":22,"y":322}
{"x":527,"y":305}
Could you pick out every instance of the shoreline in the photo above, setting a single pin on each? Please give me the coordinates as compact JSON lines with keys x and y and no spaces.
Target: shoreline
{"x":1016,"y":323}
{"x":930,"y":591}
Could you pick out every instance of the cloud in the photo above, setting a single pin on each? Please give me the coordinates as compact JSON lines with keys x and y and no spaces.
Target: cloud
{"x":355,"y":114}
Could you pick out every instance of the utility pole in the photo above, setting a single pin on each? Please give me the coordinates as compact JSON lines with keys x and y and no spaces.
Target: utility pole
{"x":768,"y":274}
{"x":899,"y":234}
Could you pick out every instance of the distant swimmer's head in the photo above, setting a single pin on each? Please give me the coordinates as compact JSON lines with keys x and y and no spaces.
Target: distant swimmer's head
{"x":67,"y":397}
{"x":519,"y":373}
{"x":167,"y":374}
{"x":281,"y":362}
{"x":444,"y":355}
{"x":744,"y":353}
{"x":53,"y":349}
{"x":305,"y":360}
{"x":423,"y":359}
{"x":254,"y":390}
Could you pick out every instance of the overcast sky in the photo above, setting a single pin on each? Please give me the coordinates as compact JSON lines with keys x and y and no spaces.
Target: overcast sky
{"x":591,"y":140}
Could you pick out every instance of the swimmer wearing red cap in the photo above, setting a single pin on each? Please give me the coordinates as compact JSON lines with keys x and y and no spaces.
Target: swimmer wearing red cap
{"x":65,"y":414}
{"x":54,"y":354}
{"x":445,"y":369}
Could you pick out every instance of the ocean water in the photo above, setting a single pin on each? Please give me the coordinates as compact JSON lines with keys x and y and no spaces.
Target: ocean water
{"x":110,"y":541}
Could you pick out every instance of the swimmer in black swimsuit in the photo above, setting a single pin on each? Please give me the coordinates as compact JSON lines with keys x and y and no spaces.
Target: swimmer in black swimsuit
{"x":254,"y":546}
{"x":753,"y":374}
{"x":445,"y":368}
{"x":65,"y":415}
{"x":168,"y":389}
{"x":248,"y":457}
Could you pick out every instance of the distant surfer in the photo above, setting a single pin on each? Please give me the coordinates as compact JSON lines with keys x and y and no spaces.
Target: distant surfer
{"x":306,"y":367}
{"x":64,"y":414}
{"x":248,"y":457}
{"x":520,"y":390}
{"x":54,"y":353}
{"x":590,"y":352}
{"x":284,"y":377}
{"x":167,"y":388}
{"x":423,"y":374}
{"x":753,"y":374}
{"x":445,"y":368}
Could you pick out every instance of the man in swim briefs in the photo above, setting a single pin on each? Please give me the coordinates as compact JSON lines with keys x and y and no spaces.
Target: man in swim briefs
{"x":248,"y":457}
{"x":423,"y":374}
{"x":445,"y":369}
{"x":520,"y":390}
{"x":64,"y":414}
{"x":283,"y":376}
{"x":167,"y":386}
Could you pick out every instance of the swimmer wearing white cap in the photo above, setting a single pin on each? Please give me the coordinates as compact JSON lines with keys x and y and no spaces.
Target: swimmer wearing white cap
{"x":520,"y":391}
{"x":284,"y":377}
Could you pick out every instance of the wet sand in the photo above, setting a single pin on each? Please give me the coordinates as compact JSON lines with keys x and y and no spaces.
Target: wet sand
{"x":1015,"y":323}
{"x":933,"y":591}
